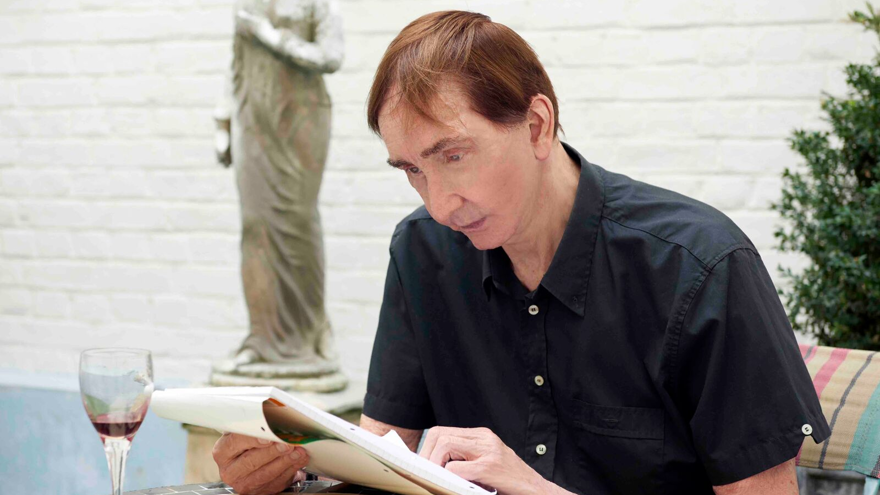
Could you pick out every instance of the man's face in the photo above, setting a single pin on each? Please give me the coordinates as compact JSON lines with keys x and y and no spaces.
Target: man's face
{"x":474,"y":176}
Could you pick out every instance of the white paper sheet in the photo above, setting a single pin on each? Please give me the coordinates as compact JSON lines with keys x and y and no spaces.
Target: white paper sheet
{"x":343,"y":451}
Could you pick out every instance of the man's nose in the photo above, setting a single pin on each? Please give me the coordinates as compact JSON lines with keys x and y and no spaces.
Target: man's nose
{"x":443,"y":198}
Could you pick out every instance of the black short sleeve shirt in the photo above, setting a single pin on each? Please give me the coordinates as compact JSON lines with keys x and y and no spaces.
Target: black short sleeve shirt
{"x":654,"y":357}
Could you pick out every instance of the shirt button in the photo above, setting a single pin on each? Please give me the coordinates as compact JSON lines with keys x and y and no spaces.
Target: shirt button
{"x":541,"y":449}
{"x":539,"y":380}
{"x":533,"y":310}
{"x":807,"y":429}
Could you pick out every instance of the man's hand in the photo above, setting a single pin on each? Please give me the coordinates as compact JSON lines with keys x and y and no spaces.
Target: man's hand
{"x":257,"y":467}
{"x":478,"y":455}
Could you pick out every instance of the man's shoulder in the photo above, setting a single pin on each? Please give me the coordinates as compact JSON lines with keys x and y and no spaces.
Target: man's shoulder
{"x":669,"y":217}
{"x":419,"y":233}
{"x":418,"y":216}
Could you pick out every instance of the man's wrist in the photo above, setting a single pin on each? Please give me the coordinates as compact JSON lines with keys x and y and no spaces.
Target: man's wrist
{"x":545,"y":486}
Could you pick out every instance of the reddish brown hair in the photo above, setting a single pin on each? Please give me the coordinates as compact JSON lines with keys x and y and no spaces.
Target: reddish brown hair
{"x":496,"y":68}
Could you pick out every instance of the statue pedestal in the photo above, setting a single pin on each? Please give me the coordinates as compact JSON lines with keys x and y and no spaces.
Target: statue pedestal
{"x":304,"y":375}
{"x":200,"y":466}
{"x":322,"y":384}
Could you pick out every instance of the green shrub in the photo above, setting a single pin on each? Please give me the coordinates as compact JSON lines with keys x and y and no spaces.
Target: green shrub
{"x":833,"y":213}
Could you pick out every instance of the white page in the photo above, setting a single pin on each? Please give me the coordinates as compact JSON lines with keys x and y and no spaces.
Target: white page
{"x":393,"y":437}
{"x":224,"y":413}
{"x":365,"y":459}
{"x":428,"y":475}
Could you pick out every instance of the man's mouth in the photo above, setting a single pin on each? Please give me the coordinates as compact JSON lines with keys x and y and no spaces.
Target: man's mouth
{"x":474,"y":226}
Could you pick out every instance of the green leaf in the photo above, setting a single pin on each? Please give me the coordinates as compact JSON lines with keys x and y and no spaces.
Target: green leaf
{"x":831,"y":206}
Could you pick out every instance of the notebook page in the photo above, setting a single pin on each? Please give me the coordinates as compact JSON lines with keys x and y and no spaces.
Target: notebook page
{"x":390,"y":455}
{"x":235,"y":409}
{"x":393,"y":437}
{"x":248,"y":411}
{"x":236,"y":414}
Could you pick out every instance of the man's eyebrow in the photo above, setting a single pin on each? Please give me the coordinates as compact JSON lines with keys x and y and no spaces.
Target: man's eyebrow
{"x":431,"y":150}
{"x":398,"y":163}
{"x":438,"y":147}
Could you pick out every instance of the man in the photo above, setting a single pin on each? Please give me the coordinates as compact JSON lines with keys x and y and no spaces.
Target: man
{"x":570,"y":329}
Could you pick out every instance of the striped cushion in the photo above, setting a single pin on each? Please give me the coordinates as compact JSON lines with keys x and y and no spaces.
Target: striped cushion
{"x":848,"y":384}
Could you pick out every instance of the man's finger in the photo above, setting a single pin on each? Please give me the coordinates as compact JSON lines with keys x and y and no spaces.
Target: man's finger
{"x":437,"y":432}
{"x":453,"y":449}
{"x":468,"y":470}
{"x":269,"y":474}
{"x":468,"y":435}
{"x":430,"y":442}
{"x":432,"y":437}
{"x":252,"y":460}
{"x":231,"y":445}
{"x":222,"y":451}
{"x":473,"y":472}
{"x":280,"y":481}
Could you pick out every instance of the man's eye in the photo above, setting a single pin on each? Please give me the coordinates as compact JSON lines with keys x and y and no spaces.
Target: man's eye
{"x":413,"y":170}
{"x":454,"y":158}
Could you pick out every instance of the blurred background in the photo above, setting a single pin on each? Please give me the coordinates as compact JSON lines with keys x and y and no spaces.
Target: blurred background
{"x":118,"y":228}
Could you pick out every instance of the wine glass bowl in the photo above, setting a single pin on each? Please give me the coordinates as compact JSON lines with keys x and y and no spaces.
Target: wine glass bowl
{"x":116,"y":385}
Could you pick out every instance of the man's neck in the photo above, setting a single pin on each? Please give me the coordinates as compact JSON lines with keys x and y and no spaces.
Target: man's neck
{"x":532,"y":250}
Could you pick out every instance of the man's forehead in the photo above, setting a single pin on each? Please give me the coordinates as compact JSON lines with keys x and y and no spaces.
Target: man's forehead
{"x":444,"y":108}
{"x":402,"y":117}
{"x":413,"y":134}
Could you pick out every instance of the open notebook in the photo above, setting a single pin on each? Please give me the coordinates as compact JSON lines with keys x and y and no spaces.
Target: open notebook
{"x":337,"y":448}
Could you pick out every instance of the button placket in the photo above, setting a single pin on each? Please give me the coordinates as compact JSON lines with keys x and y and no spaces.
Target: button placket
{"x":542,"y":423}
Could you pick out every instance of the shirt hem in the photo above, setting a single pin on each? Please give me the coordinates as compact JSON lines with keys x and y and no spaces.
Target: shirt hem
{"x":766,"y":455}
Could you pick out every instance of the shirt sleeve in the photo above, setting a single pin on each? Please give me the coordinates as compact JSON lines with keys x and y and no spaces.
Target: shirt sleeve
{"x":743,"y":381}
{"x":396,"y":390}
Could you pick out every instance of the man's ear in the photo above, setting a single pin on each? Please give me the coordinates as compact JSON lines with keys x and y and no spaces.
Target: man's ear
{"x":542,"y":120}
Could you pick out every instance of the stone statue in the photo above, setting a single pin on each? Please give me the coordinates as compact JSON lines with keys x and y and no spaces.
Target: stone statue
{"x":273,"y":127}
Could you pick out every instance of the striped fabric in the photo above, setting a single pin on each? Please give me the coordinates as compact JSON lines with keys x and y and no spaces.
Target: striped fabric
{"x":848,"y":384}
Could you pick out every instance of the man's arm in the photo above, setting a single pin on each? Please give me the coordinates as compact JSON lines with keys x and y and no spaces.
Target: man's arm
{"x":410,"y":437}
{"x":778,"y":480}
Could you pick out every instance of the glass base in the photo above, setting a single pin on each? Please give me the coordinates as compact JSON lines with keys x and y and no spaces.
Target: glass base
{"x":116,"y":449}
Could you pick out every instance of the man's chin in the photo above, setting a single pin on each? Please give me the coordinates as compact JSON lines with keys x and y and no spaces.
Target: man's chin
{"x":483,"y":241}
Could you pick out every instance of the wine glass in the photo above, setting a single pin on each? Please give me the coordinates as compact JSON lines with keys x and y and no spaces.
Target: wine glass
{"x":116,"y":385}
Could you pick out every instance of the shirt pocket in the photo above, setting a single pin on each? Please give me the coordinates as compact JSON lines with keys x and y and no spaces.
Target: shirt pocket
{"x":621,"y":448}
{"x":624,"y":422}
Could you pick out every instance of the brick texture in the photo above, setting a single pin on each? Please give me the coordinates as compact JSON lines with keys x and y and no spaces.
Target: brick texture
{"x":117,"y":227}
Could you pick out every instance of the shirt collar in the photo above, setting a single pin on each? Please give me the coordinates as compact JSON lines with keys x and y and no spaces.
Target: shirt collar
{"x":569,"y":271}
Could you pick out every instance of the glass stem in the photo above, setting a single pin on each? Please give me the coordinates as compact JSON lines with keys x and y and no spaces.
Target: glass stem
{"x":117,"y":451}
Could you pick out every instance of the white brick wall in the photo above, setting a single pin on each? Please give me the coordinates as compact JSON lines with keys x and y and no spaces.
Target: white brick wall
{"x":117,"y":228}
